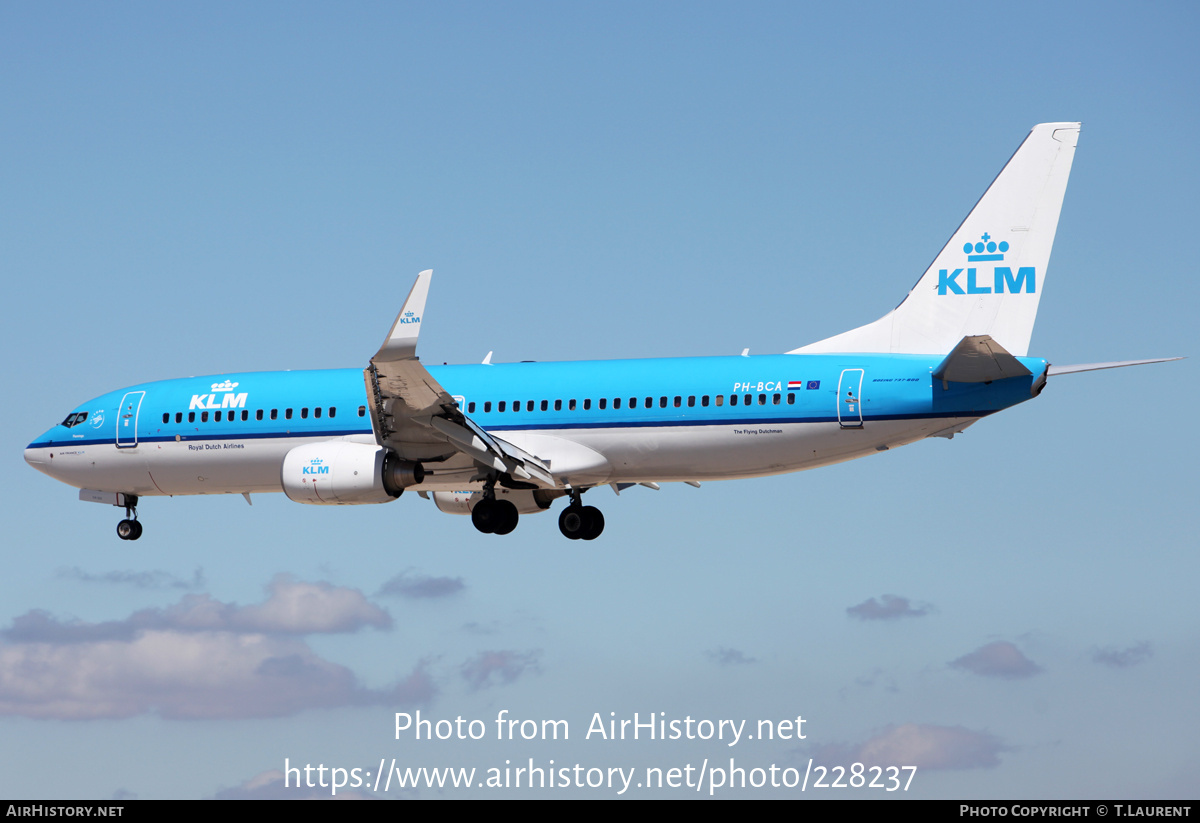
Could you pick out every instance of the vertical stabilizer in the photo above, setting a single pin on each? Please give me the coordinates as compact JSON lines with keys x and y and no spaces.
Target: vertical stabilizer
{"x":988,"y":279}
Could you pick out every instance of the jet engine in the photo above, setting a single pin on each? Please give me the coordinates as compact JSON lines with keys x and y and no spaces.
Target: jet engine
{"x":340,"y":472}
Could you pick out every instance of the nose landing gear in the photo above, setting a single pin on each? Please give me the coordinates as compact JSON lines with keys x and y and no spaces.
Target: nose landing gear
{"x":130,"y":528}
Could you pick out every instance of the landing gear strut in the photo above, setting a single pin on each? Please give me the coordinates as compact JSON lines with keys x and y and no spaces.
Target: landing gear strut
{"x":579,"y":522}
{"x":130,"y":528}
{"x":492,"y":516}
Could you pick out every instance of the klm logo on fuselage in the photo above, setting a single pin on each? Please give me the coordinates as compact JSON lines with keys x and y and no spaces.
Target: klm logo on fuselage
{"x":1003,"y":280}
{"x":227,"y":400}
{"x":315,"y":466}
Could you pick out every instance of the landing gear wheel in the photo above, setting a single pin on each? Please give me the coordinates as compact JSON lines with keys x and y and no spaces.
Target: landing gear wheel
{"x":486,"y":516}
{"x":507,"y":517}
{"x":593,"y":523}
{"x":129,"y":530}
{"x":581,"y":522}
{"x":570,"y":522}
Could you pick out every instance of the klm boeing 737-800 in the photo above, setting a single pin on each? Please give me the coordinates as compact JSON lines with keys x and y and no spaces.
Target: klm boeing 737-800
{"x":498,"y":441}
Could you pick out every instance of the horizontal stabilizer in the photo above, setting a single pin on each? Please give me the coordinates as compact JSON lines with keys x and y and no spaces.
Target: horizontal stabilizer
{"x":1055,"y":370}
{"x":979,"y":359}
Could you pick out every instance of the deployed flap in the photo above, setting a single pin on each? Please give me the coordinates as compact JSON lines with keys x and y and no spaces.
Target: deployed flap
{"x":418,"y":419}
{"x":979,"y":359}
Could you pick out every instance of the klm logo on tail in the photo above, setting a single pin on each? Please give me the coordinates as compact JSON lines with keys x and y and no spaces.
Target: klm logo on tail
{"x":1003,"y":280}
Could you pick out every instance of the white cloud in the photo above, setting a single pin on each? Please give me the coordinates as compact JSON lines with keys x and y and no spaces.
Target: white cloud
{"x":1123,"y":658}
{"x":271,"y":785}
{"x":493,"y":668}
{"x":999,"y":659}
{"x":926,"y":746}
{"x":888,"y":607}
{"x":198,"y":659}
{"x":419,"y":586}
{"x":725,"y":656}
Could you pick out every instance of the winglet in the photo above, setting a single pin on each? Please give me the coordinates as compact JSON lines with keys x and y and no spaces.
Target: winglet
{"x":401,"y":342}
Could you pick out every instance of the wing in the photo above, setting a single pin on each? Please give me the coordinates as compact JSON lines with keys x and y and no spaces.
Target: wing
{"x":418,"y":419}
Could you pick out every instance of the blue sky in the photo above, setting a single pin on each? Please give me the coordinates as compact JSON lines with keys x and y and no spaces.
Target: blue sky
{"x":194,"y":190}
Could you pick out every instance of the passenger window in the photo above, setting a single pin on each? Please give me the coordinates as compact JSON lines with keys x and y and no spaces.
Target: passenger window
{"x":603,"y":402}
{"x":333,"y":411}
{"x":587,"y":403}
{"x":616,"y":402}
{"x":191,"y":417}
{"x":649,"y":402}
{"x":762,"y":400}
{"x":502,"y":405}
{"x":203,"y":417}
{"x":732,"y":400}
{"x":166,"y":417}
{"x":776,"y":401}
{"x":304,"y":413}
{"x":571,"y":404}
{"x":662,"y":402}
{"x":471,"y":407}
{"x":558,"y":405}
{"x":274,"y":414}
{"x":691,"y":400}
{"x":245,"y":414}
{"x":678,"y":401}
{"x":487,"y":406}
{"x":720,"y":399}
{"x":516,"y":405}
{"x":529,"y":406}
{"x":791,"y":399}
{"x":704,"y":400}
{"x":287,"y":414}
{"x":258,"y":415}
{"x":317,"y":411}
{"x":178,"y":417}
{"x":545,"y":405}
{"x":362,"y":411}
{"x":217,"y":417}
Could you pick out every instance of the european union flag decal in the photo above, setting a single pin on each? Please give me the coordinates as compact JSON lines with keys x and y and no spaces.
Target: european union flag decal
{"x":814,"y":384}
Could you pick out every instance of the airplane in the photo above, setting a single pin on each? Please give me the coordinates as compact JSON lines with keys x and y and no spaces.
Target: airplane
{"x":496,"y":441}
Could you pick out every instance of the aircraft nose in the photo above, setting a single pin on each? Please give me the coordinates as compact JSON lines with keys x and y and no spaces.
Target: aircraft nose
{"x":38,"y":458}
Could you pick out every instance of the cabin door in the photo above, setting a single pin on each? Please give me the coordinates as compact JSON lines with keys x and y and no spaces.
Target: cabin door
{"x":850,"y":399}
{"x":127,"y":419}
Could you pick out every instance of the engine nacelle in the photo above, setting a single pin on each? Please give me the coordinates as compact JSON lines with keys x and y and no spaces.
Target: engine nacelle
{"x":526,"y":501}
{"x":339,"y":472}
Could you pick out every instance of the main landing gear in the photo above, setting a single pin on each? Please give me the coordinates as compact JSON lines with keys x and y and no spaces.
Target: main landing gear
{"x":492,"y":516}
{"x":130,"y":528}
{"x":579,"y":522}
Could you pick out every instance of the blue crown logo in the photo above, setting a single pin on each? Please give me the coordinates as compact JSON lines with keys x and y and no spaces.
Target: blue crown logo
{"x":985,"y":250}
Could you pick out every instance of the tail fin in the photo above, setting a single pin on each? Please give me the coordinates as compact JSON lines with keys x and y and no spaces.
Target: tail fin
{"x":989,"y":277}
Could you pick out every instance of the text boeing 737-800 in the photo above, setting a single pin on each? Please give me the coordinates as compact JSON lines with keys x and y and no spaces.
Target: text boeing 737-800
{"x":497,"y":441}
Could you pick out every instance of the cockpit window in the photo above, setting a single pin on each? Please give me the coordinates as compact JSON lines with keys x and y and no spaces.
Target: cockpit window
{"x":75,"y":419}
